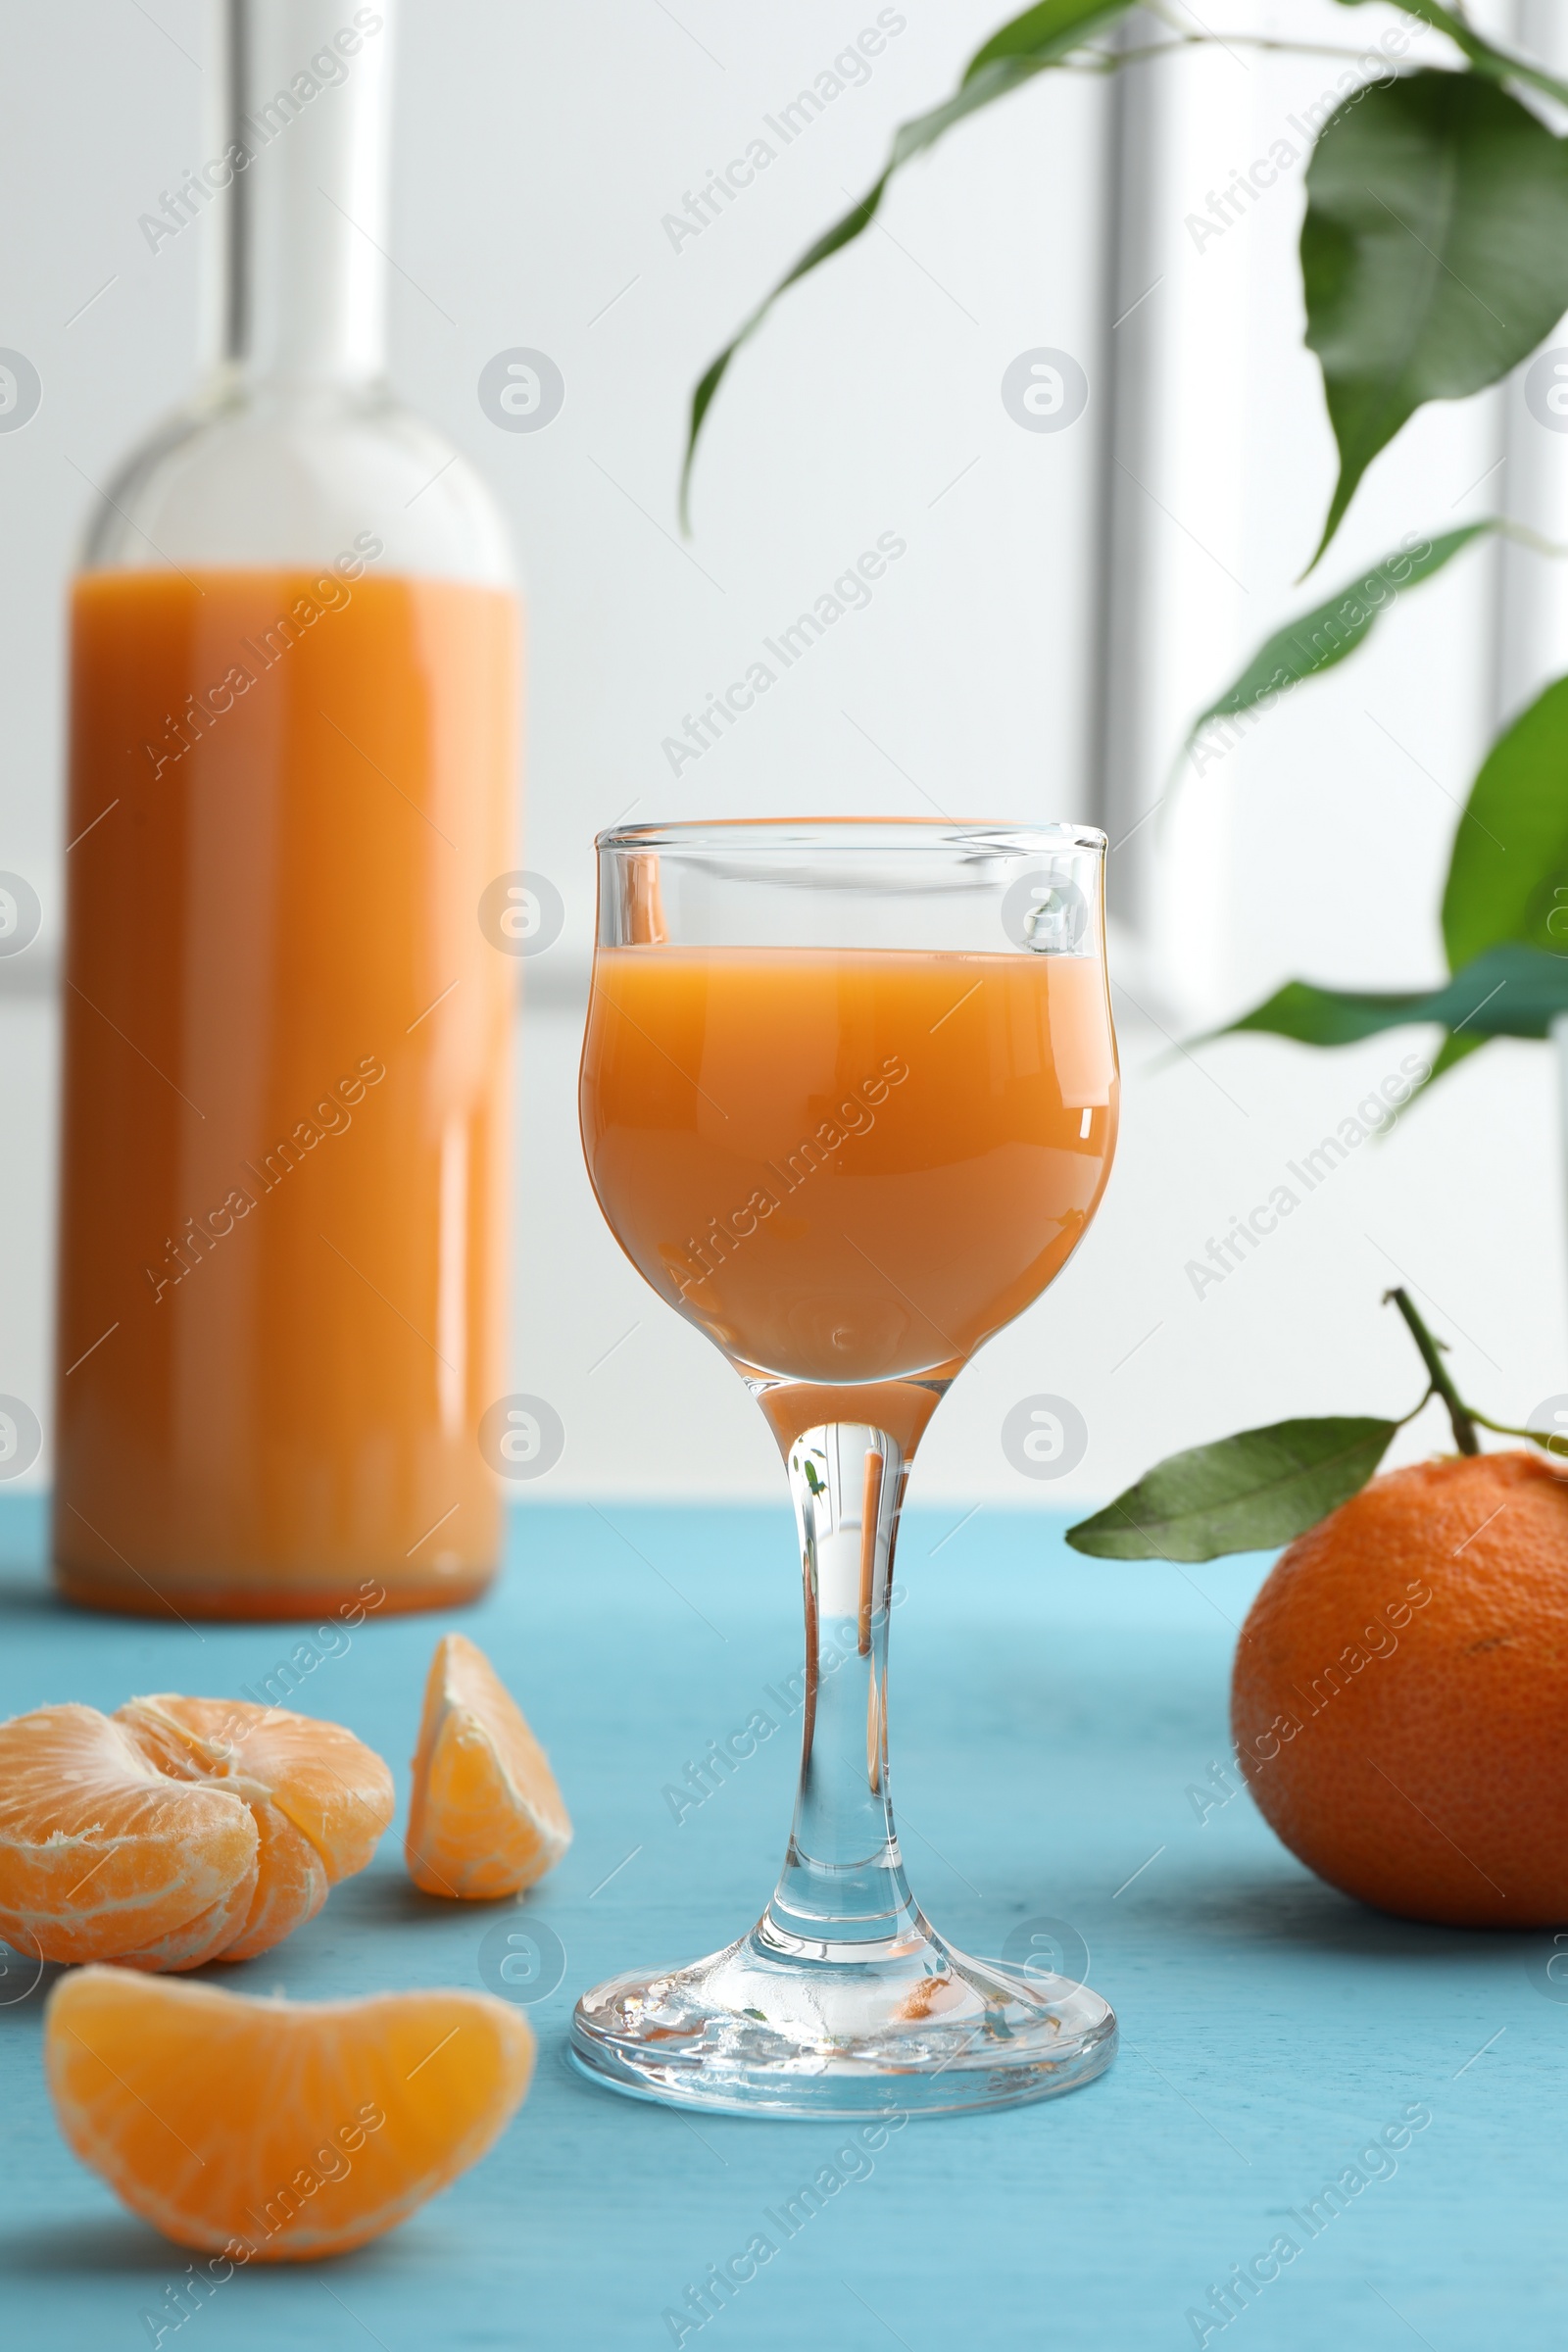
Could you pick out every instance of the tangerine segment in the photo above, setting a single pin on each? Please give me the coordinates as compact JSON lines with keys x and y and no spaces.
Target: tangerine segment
{"x":485,"y":1817}
{"x":320,"y":1797}
{"x":210,"y":1935}
{"x":103,"y":1858}
{"x":292,"y":1886}
{"x":277,"y":2131}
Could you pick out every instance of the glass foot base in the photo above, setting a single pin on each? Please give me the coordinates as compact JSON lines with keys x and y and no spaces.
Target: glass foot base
{"x":772,"y":2027}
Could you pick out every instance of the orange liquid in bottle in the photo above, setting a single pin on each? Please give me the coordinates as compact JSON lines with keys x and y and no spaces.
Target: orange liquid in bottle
{"x":286,"y":1049}
{"x":848,"y":1165}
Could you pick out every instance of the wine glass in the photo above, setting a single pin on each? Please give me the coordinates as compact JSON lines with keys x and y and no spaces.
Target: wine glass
{"x":849,"y":1100}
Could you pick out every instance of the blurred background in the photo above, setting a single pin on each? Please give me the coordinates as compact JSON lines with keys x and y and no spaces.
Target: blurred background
{"x":1067,"y":600}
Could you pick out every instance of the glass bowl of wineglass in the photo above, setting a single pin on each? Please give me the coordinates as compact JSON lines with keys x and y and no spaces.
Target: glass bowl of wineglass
{"x":849,"y":1103}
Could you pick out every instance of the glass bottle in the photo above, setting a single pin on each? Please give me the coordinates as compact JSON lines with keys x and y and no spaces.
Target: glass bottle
{"x":293,"y":728}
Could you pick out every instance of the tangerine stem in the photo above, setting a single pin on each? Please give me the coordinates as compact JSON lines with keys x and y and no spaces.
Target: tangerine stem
{"x":1550,"y":1441}
{"x":1459,"y":1414}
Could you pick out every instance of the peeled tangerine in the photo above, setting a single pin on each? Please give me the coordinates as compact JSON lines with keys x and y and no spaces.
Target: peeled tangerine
{"x":179,"y":1829}
{"x":277,"y":2131}
{"x":485,"y":1817}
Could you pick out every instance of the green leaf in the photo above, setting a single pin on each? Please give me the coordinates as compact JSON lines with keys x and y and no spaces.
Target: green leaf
{"x":1452,"y":1050}
{"x":1509,"y":876}
{"x":1433,"y":253}
{"x":1241,"y":1493}
{"x":1315,"y":641}
{"x":1042,"y":36}
{"x":1484,"y":55}
{"x":1508,"y":991}
{"x":1325,"y":1016}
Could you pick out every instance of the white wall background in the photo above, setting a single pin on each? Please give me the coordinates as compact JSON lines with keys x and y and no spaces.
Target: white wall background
{"x":539,"y":149}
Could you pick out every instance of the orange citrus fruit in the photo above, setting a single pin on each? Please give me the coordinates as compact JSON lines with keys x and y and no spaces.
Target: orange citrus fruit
{"x":485,"y":1817}
{"x":179,"y":1831}
{"x":321,"y":1798}
{"x":1400,"y":1704}
{"x":277,"y":2131}
{"x":102,"y":1857}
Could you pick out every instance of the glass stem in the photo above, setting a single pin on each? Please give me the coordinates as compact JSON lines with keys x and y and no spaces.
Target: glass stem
{"x":841,"y":1894}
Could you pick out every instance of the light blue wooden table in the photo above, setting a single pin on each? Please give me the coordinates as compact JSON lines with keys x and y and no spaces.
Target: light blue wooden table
{"x":1053,"y":1717}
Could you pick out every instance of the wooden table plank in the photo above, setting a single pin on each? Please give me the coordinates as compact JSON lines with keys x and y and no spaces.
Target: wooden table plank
{"x":1051,"y":1719}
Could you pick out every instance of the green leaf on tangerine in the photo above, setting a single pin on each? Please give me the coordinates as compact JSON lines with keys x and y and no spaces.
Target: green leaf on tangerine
{"x":1243,"y":1493}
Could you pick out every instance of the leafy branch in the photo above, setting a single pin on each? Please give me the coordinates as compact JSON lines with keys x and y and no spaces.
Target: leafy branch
{"x":1434,"y":254}
{"x":1317,"y":641}
{"x":1504,"y":913}
{"x":1484,"y":56}
{"x":1042,"y":36}
{"x":1433,"y":260}
{"x":1264,"y":1486}
{"x":1435,"y":248}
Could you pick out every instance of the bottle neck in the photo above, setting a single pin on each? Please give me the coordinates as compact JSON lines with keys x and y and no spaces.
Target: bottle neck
{"x":300,"y":153}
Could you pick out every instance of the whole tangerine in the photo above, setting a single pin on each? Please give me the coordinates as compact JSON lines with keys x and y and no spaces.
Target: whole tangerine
{"x":1399,"y":1701}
